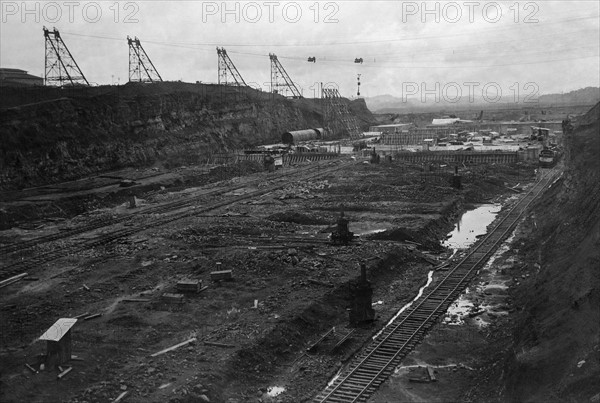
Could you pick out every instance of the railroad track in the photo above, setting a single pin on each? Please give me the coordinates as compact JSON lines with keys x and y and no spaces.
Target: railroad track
{"x":160,"y":209}
{"x":368,"y":370}
{"x":36,"y":259}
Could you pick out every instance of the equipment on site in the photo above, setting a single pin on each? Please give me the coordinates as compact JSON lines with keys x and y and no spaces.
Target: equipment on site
{"x":358,"y":60}
{"x":312,"y":59}
{"x":141,"y":68}
{"x":548,"y":157}
{"x":342,"y":235}
{"x":375,"y":158}
{"x":60,"y":66}
{"x":456,"y":179}
{"x":226,"y":65}
{"x":361,"y":299}
{"x":269,"y":162}
{"x":540,"y":134}
{"x":278,"y":73}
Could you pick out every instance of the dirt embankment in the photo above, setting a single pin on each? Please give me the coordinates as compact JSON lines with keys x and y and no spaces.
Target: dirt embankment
{"x":63,"y":136}
{"x":555,"y":355}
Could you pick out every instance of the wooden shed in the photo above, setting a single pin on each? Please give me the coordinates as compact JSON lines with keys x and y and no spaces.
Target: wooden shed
{"x":58,"y":341}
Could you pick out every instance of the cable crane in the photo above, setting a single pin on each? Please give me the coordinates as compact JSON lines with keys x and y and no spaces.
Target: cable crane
{"x":61,"y":67}
{"x":225,"y":64}
{"x":278,"y":71}
{"x":337,"y":116}
{"x":141,"y":68}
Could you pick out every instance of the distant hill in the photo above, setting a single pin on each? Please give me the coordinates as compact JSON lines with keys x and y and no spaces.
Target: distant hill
{"x":391,"y":104}
{"x":583,"y":96}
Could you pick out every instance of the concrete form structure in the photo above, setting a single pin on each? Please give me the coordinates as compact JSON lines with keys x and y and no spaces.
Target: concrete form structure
{"x":58,"y":339}
{"x":458,"y":157}
{"x":393,"y":128}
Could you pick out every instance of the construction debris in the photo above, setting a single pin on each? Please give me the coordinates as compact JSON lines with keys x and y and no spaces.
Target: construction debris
{"x":12,"y":280}
{"x":192,"y":286}
{"x":166,"y":350}
{"x":212,"y":343}
{"x":223,"y":275}
{"x":432,"y":377}
{"x":35,"y":371}
{"x":172,"y":298}
{"x":64,"y":373}
{"x":315,"y":344}
{"x":120,"y":397}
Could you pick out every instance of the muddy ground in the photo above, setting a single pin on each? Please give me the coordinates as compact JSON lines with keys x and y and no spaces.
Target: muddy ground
{"x":289,"y":287}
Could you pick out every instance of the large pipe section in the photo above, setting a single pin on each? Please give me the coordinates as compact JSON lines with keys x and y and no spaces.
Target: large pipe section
{"x":296,"y":136}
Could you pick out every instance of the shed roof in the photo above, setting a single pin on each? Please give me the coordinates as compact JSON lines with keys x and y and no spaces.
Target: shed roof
{"x":58,"y":329}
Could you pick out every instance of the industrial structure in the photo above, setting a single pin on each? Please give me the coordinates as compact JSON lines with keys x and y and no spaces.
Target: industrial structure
{"x":277,"y":74}
{"x":141,"y":68}
{"x":226,"y":65}
{"x":60,"y":66}
{"x":337,"y":115}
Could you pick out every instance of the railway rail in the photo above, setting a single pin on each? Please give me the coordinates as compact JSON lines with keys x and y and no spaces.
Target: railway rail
{"x":160,"y":209}
{"x":368,"y":370}
{"x":191,"y":207}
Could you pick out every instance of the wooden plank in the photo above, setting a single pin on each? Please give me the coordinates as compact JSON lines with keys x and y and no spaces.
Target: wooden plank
{"x":13,"y":279}
{"x":29,"y":367}
{"x":120,"y":397}
{"x":311,"y":348}
{"x":212,"y":343}
{"x":64,"y":373}
{"x":166,"y":350}
{"x":221,"y":275}
{"x":431,"y":374}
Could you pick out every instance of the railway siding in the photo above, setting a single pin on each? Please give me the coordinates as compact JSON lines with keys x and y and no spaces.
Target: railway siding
{"x":28,"y":262}
{"x":377,"y":361}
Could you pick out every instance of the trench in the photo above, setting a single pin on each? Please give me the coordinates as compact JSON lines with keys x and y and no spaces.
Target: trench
{"x":471,"y":225}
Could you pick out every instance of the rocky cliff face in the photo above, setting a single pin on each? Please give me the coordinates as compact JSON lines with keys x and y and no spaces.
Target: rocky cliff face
{"x":136,"y":125}
{"x":556,"y":350}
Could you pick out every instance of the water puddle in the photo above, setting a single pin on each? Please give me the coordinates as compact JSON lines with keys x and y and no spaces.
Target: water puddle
{"x":485,"y":298}
{"x":275,"y":391}
{"x":362,"y":228}
{"x":370,"y":232}
{"x":405,"y":307}
{"x":471,"y":225}
{"x":422,"y":365}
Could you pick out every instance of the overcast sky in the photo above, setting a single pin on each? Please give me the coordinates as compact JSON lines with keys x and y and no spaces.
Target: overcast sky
{"x":542,"y":46}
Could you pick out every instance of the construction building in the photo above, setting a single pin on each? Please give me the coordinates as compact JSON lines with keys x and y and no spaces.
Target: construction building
{"x":18,"y":78}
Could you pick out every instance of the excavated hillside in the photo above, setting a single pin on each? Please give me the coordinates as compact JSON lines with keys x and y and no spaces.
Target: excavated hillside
{"x":555,"y":354}
{"x":50,"y":135}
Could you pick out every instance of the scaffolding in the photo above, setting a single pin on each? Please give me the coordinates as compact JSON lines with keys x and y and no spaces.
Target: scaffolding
{"x":278,"y":73}
{"x":225,"y":66}
{"x":141,"y":68}
{"x":60,"y":66}
{"x":337,"y":116}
